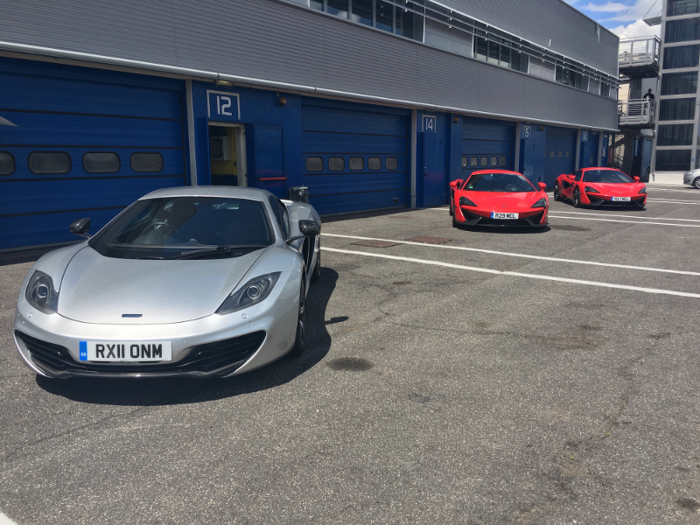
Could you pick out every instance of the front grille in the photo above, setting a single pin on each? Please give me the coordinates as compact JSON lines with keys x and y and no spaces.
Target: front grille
{"x":222,"y":356}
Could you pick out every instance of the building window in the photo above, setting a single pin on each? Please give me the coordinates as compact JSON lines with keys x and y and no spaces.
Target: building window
{"x":673,"y":160}
{"x":474,"y":162}
{"x":49,"y":163}
{"x":7,"y":163}
{"x":679,"y":83}
{"x":314,"y":164}
{"x":385,"y":16}
{"x":675,"y":135}
{"x":604,"y":89}
{"x":337,"y":8}
{"x":336,"y":163}
{"x":682,"y":7}
{"x":568,"y":77}
{"x":392,"y":163}
{"x":362,"y":12}
{"x":408,"y":23}
{"x":107,"y":162}
{"x":147,"y":162}
{"x":465,"y":162}
{"x":317,"y":4}
{"x":494,"y":52}
{"x":677,"y":109}
{"x":356,"y":163}
{"x":681,"y":56}
{"x":682,"y":30}
{"x":374,"y":163}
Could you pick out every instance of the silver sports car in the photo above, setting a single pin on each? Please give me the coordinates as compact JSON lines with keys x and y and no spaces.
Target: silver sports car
{"x":193,"y":282}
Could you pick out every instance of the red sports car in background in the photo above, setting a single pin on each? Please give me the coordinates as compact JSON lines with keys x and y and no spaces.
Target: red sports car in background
{"x":600,"y":187}
{"x":498,"y":198}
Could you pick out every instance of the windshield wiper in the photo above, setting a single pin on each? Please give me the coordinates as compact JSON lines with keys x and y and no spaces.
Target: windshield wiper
{"x":223,"y":250}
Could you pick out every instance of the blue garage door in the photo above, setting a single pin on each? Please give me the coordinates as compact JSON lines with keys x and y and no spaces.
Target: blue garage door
{"x":87,"y":143}
{"x":355,"y":158}
{"x":487,"y":144}
{"x":560,"y":153}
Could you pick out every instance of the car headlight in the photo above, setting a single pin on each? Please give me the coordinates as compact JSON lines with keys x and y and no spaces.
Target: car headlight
{"x":463,"y":201}
{"x":253,"y":292}
{"x":41,"y":293}
{"x":542,"y":203}
{"x":588,"y":189}
{"x":643,"y":190}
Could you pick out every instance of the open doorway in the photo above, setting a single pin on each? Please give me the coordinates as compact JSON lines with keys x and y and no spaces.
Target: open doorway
{"x":227,"y":158}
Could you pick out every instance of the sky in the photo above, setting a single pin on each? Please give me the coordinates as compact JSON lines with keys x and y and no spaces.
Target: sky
{"x":622,"y":17}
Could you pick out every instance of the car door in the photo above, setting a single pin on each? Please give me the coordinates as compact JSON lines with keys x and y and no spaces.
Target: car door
{"x":568,"y":184}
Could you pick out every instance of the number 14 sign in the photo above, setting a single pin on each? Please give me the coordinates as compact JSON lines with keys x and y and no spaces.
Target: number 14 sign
{"x":223,"y":105}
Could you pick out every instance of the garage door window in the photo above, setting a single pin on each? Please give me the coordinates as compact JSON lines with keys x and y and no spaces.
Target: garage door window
{"x":7,"y":163}
{"x":494,"y":161}
{"x":465,"y":162}
{"x":97,"y":162}
{"x":374,"y":163}
{"x":474,"y":162}
{"x":336,"y":164}
{"x":49,"y":163}
{"x":314,"y":164}
{"x":357,"y":163}
{"x":502,"y":161}
{"x":146,"y":162}
{"x":392,"y":163}
{"x":484,"y":161}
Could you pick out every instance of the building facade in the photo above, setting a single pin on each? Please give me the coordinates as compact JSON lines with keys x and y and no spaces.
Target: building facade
{"x":676,"y":148}
{"x":371,"y":104}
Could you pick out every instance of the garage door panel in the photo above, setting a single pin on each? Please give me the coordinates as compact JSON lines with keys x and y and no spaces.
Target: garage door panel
{"x":489,"y":140}
{"x":21,"y":197}
{"x":561,"y":151}
{"x":316,"y":118}
{"x":374,"y":200}
{"x":23,"y":92}
{"x":76,"y":130}
{"x":49,"y":228}
{"x":331,"y":132}
{"x":356,"y":144}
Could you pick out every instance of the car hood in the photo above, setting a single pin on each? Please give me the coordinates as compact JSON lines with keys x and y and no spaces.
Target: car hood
{"x":503,"y":202}
{"x":617,"y":189}
{"x":98,"y":289}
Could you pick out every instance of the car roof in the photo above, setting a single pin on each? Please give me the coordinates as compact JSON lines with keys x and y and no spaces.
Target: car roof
{"x":594,"y":168}
{"x":253,"y":194}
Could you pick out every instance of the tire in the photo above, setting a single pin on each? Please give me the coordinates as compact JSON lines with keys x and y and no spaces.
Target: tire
{"x":452,"y":213}
{"x":316,"y":274}
{"x":298,"y":347}
{"x":577,"y":198}
{"x":696,"y":183}
{"x":557,"y":194}
{"x":455,"y":224}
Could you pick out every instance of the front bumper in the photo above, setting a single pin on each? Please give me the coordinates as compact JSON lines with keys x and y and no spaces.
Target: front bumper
{"x":213,"y":346}
{"x":690,"y":176}
{"x":532,"y":218}
{"x":598,"y":199}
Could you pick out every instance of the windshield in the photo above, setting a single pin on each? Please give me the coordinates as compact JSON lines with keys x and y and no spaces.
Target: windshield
{"x":613,"y":176}
{"x":501,"y":182}
{"x":186,"y":228}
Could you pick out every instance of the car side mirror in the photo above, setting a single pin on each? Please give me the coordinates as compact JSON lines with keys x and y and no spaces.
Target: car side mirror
{"x":542,"y":185}
{"x":309,"y":228}
{"x":80,"y":228}
{"x":455,"y":184}
{"x":636,"y":179}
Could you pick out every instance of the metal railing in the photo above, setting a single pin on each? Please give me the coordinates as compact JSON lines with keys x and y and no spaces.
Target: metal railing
{"x":639,"y":51}
{"x":638,"y":112}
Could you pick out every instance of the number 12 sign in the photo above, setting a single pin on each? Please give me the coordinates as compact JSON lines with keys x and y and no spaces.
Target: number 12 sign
{"x":223,"y":105}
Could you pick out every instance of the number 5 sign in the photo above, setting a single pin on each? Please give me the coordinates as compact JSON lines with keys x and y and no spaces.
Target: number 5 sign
{"x":223,"y":105}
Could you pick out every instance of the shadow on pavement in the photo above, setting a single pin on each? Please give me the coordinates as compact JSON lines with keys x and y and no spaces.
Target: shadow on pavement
{"x":173,"y":391}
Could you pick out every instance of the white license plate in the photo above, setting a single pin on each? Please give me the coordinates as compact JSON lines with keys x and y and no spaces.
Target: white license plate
{"x":498,"y":215}
{"x":621,"y":199}
{"x":114,"y":352}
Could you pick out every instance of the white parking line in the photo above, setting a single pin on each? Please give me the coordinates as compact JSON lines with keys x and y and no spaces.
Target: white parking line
{"x":569,"y":212}
{"x":623,"y":222}
{"x":516,"y":274}
{"x":521,"y":255}
{"x":673,"y":201}
{"x":679,"y":190}
{"x":4,"y":520}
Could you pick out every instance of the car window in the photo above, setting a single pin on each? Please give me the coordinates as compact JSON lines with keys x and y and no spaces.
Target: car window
{"x":498,"y":182}
{"x":609,"y":176}
{"x":281,"y":215}
{"x":170,"y":227}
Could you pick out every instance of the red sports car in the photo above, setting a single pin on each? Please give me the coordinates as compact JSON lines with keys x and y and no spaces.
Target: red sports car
{"x":600,"y":187}
{"x":498,"y":198}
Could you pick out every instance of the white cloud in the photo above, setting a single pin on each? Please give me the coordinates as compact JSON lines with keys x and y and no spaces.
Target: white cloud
{"x":610,"y":7}
{"x":626,"y":13}
{"x":638,"y":28}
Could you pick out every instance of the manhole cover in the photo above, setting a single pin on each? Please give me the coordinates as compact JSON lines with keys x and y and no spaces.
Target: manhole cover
{"x":376,"y":244}
{"x":429,"y":240}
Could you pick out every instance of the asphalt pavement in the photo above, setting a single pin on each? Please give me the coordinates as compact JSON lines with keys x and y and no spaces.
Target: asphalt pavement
{"x":480,"y":376}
